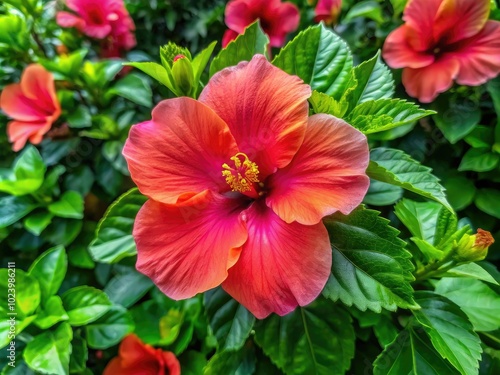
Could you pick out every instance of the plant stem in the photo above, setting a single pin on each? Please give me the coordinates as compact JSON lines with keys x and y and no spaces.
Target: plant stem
{"x":436,"y":267}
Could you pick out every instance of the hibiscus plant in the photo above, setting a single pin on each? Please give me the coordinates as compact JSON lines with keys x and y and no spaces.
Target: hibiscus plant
{"x":249,"y":187}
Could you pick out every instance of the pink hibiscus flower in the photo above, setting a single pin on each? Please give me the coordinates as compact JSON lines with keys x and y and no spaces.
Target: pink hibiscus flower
{"x":443,"y":41}
{"x":239,"y":182}
{"x":33,"y":105}
{"x":277,"y":19}
{"x":106,"y":20}
{"x":327,"y":11}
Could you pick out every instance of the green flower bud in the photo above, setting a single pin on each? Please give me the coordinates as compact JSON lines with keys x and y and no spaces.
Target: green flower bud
{"x":182,"y":72}
{"x":473,"y":248}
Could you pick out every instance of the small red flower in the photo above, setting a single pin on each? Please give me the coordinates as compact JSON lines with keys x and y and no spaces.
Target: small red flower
{"x":277,"y":19}
{"x":239,"y":182}
{"x":327,"y":11}
{"x":137,"y":358}
{"x":442,"y":41}
{"x":107,"y":20}
{"x":32,"y":104}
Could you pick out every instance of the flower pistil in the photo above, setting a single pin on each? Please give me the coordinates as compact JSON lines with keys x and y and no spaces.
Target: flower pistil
{"x":244,"y":176}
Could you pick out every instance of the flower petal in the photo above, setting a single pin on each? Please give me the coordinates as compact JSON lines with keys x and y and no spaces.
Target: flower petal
{"x":16,"y":105}
{"x":282,"y":20}
{"x":134,"y":358}
{"x":181,"y":150}
{"x":240,"y":14}
{"x":479,"y":56}
{"x":170,"y":362}
{"x":228,"y":37}
{"x":398,"y":53}
{"x":326,"y":175}
{"x":187,"y":248}
{"x":426,"y":83}
{"x":281,"y":265}
{"x":265,"y":108}
{"x":19,"y":132}
{"x":419,"y":15}
{"x":37,"y":84}
{"x":65,"y":19}
{"x":460,"y":19}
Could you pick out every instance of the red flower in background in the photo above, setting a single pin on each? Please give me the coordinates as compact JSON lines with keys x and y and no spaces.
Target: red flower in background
{"x":277,"y":19}
{"x":239,"y":182}
{"x":33,"y":105}
{"x":107,"y":20}
{"x":137,"y":358}
{"x":327,"y":11}
{"x":442,"y":41}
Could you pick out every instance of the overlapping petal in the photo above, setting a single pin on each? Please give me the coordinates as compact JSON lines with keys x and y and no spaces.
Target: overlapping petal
{"x":326,"y":175}
{"x":15,"y":104}
{"x":180,"y":151}
{"x":420,"y":15}
{"x":281,"y":265}
{"x":265,"y":108}
{"x":66,"y":19}
{"x":283,"y":20}
{"x":398,"y":53}
{"x":19,"y":132}
{"x":187,"y":248}
{"x":37,"y":84}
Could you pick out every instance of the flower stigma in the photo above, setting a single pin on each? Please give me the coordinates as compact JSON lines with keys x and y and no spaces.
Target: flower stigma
{"x":244,"y":177}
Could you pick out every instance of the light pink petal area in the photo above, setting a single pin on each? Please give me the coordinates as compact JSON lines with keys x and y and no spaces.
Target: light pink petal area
{"x":66,"y":19}
{"x":180,"y":151}
{"x":187,"y":248}
{"x":398,"y":53}
{"x":326,"y":175}
{"x":16,"y":105}
{"x":479,"y":56}
{"x":20,"y":132}
{"x":426,"y":83}
{"x":240,"y":14}
{"x":265,"y":108}
{"x":281,"y":265}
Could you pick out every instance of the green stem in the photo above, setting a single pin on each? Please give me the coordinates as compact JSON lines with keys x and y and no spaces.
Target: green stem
{"x":436,"y":268}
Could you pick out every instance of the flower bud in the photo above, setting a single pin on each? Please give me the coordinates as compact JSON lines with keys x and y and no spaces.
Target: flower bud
{"x":182,"y":72}
{"x":472,"y":248}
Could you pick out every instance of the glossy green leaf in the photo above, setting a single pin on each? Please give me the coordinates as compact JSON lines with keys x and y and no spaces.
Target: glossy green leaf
{"x":67,"y":65}
{"x":50,"y":351}
{"x":154,"y":70}
{"x":126,"y":289}
{"x":368,"y":9}
{"x":310,"y":340}
{"x":481,"y":136}
{"x":192,"y":363}
{"x":370,"y":267}
{"x":240,"y":362}
{"x":14,"y":32}
{"x":13,"y":209}
{"x":114,"y":240}
{"x":231,"y":322}
{"x":85,"y":304}
{"x":51,"y":312}
{"x":472,"y":270}
{"x":456,"y":119}
{"x":26,"y":175}
{"x":320,"y":57}
{"x":479,"y":160}
{"x":7,"y":328}
{"x":21,"y":286}
{"x":419,"y":217}
{"x":397,"y":168}
{"x":110,"y":328}
{"x":382,"y":194}
{"x":450,"y":331}
{"x":460,"y":191}
{"x":488,"y":200}
{"x":49,"y":269}
{"x":37,"y":222}
{"x":243,"y":48}
{"x":79,"y":355}
{"x":200,"y":61}
{"x":80,"y":118}
{"x":134,"y":88}
{"x":323,"y":103}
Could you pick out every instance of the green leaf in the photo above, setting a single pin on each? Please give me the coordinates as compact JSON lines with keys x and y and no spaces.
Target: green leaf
{"x":320,"y":57}
{"x":397,"y":168}
{"x":126,"y":289}
{"x":14,"y":32}
{"x":80,"y":118}
{"x":66,"y":65}
{"x":450,"y":331}
{"x":231,"y":322}
{"x":192,"y":363}
{"x":311,"y":340}
{"x":398,"y":6}
{"x":382,"y":194}
{"x":240,"y":362}
{"x":79,"y":355}
{"x":481,"y":136}
{"x":420,"y":218}
{"x":476,"y":299}
{"x":374,"y":116}
{"x":26,"y":175}
{"x":7,"y":328}
{"x":243,"y":48}
{"x":368,"y":9}
{"x":471,"y":270}
{"x":85,"y":304}
{"x":460,"y":191}
{"x":19,"y":285}
{"x":49,"y":269}
{"x":200,"y":62}
{"x":154,"y":70}
{"x":52,"y":312}
{"x":370,"y":267}
{"x":113,"y":240}
{"x":447,"y":225}
{"x":456,"y":119}
{"x":488,"y":200}
{"x":479,"y":160}
{"x":134,"y":88}
{"x":429,"y":252}
{"x":110,"y":328}
{"x":13,"y":209}
{"x":37,"y":222}
{"x":322,"y":103}
{"x":49,"y":352}
{"x":411,"y":353}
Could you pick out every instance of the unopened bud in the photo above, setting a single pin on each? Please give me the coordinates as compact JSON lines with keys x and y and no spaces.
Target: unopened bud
{"x":472,"y":248}
{"x":182,"y":72}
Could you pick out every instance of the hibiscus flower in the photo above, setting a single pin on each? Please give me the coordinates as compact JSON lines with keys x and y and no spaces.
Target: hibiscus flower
{"x":137,"y":358}
{"x":327,"y":11}
{"x":277,"y":19}
{"x":442,"y":41}
{"x":32,"y":104}
{"x":239,"y":182}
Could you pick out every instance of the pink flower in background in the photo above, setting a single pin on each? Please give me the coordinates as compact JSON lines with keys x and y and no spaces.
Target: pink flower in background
{"x":442,"y":41}
{"x":107,"y":20}
{"x":32,"y":104}
{"x":239,"y":182}
{"x":277,"y":19}
{"x":327,"y":11}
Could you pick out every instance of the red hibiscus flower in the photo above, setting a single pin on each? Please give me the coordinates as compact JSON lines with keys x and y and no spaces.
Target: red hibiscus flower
{"x":137,"y":358}
{"x":239,"y":182}
{"x":327,"y":11}
{"x":442,"y":41}
{"x":277,"y":19}
{"x":107,"y":20}
{"x":32,"y":104}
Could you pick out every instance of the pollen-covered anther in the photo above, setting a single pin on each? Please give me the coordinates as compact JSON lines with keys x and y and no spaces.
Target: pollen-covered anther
{"x":243,"y":176}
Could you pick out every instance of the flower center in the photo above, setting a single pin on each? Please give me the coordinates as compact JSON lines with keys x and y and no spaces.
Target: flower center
{"x":244,"y":177}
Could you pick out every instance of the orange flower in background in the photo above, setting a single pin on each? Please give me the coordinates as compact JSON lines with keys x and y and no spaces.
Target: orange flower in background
{"x":239,"y":182}
{"x":444,"y":41}
{"x":137,"y":358}
{"x":277,"y":19}
{"x":32,"y":104}
{"x":327,"y":11}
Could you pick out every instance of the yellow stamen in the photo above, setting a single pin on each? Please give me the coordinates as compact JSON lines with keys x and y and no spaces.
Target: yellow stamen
{"x":244,"y":174}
